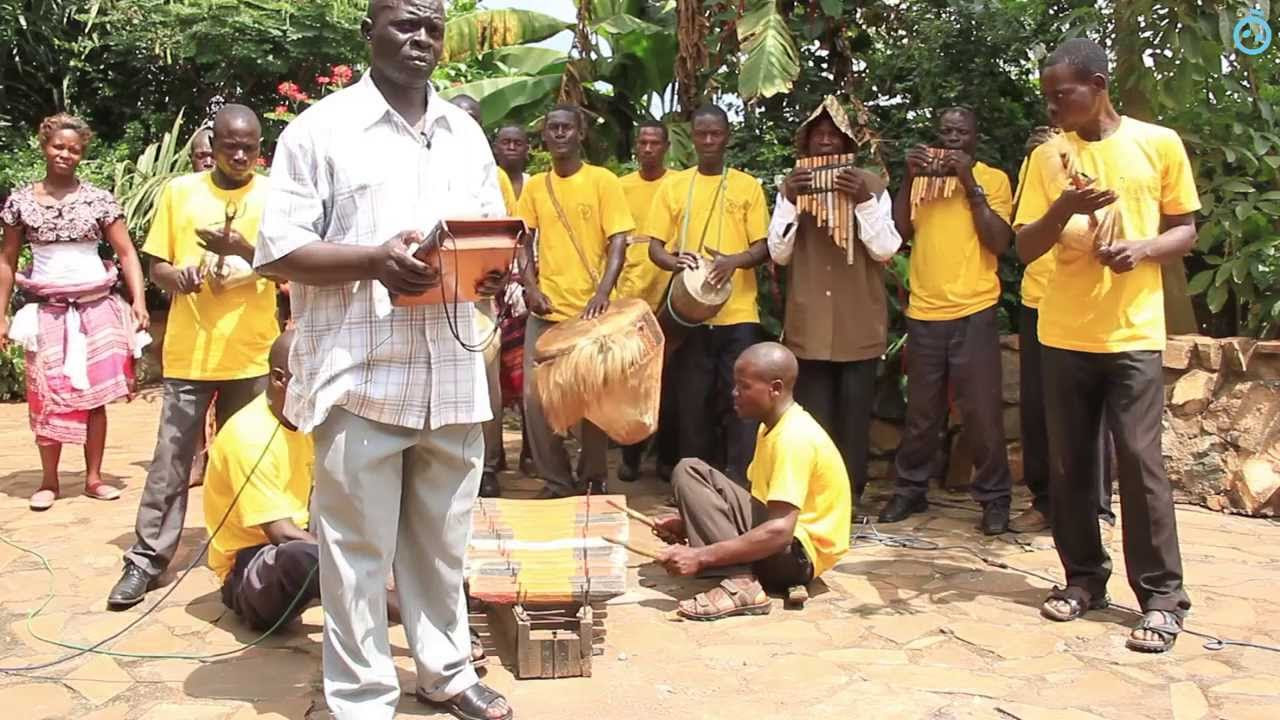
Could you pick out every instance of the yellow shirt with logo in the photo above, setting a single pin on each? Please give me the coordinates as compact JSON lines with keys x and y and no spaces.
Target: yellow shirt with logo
{"x":640,"y":277}
{"x":797,"y":463}
{"x":213,"y":335}
{"x":594,"y":205}
{"x":1035,"y":277}
{"x":952,"y":273}
{"x":738,"y":218}
{"x":1087,"y":307}
{"x":273,"y":464}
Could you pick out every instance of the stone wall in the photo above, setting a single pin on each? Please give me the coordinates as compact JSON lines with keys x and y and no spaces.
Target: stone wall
{"x":1221,"y":424}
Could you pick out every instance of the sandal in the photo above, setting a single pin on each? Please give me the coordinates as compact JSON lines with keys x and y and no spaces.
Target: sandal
{"x":710,"y":605}
{"x":470,"y":704}
{"x":42,"y":499}
{"x":1164,"y":624}
{"x":101,"y":491}
{"x":1078,"y":602}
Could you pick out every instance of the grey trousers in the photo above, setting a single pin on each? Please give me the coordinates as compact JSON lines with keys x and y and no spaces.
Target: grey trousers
{"x":549,"y":453}
{"x":164,"y":498}
{"x":387,"y":498}
{"x":273,"y":583}
{"x":493,"y":449}
{"x":716,"y":509}
{"x":966,"y":351}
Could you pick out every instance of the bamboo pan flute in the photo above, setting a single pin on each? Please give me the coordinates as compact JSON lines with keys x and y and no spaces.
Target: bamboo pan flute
{"x":833,"y":211}
{"x":933,"y":185}
{"x":548,"y":552}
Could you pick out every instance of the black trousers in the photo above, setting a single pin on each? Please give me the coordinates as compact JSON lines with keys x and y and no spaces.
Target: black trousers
{"x":966,"y":351}
{"x":1035,"y":430}
{"x":273,"y":583}
{"x":1126,"y":391}
{"x":708,"y":428}
{"x":840,"y":396}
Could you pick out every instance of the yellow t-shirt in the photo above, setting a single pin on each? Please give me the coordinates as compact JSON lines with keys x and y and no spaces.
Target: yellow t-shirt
{"x":1087,"y":307}
{"x":508,"y":192}
{"x":1036,"y":275}
{"x":213,"y":336}
{"x":592,"y":201}
{"x":640,"y":277}
{"x":952,"y":273}
{"x":797,"y":463}
{"x":279,"y":487}
{"x":739,"y":218}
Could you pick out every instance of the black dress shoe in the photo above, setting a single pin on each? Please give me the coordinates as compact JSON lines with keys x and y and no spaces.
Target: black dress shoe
{"x":130,"y":588}
{"x":598,"y":487}
{"x":489,"y":487}
{"x":901,"y":507}
{"x":995,"y":517}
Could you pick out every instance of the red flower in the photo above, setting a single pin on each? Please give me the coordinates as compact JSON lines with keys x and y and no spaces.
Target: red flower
{"x":289,"y":90}
{"x":341,"y":75}
{"x":301,"y":97}
{"x":282,"y":109}
{"x":322,"y":80}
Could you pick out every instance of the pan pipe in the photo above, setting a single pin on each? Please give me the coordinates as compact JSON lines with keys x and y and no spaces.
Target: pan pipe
{"x":832,"y":210}
{"x":933,"y":185}
{"x":543,"y":552}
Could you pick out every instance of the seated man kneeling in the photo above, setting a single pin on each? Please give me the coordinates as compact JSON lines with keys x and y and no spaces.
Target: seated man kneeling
{"x":263,"y":553}
{"x":791,"y":527}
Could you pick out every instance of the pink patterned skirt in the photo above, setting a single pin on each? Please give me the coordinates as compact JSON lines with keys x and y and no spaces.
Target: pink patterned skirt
{"x":59,"y":406}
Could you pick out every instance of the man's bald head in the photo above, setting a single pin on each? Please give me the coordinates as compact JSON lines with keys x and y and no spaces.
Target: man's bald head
{"x":278,"y":359}
{"x":770,"y":361}
{"x":470,"y":106}
{"x":280,"y":376}
{"x":235,"y":116}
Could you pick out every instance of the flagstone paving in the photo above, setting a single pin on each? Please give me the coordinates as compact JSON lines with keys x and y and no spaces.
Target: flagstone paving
{"x":891,"y":633}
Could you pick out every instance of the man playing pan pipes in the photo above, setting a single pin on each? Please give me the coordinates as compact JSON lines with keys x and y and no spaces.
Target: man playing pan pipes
{"x":218,"y":336}
{"x":717,"y":215}
{"x":1114,"y":197}
{"x":951,"y":319}
{"x":793,"y":523}
{"x":1034,"y":423}
{"x":582,"y":221}
{"x":836,"y":319}
{"x":643,"y":279}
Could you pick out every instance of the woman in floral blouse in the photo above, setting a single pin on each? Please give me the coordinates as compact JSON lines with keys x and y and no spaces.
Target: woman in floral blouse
{"x":80,"y":336}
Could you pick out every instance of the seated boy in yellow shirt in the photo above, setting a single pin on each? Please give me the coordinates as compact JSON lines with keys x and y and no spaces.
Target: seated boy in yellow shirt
{"x":791,"y":527}
{"x":261,"y":548}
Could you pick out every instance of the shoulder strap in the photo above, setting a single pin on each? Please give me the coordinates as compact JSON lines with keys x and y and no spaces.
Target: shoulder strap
{"x":688,"y":210}
{"x":573,"y":238}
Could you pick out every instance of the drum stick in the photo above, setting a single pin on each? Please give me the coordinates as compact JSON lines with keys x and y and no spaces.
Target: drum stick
{"x":632,"y":548}
{"x":632,"y":513}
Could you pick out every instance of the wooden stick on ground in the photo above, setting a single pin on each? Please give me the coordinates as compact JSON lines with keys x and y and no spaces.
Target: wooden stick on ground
{"x":632,"y":548}
{"x":645,"y":519}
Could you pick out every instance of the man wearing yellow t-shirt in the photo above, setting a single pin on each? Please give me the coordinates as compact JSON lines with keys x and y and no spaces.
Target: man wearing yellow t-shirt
{"x":582,"y":221}
{"x":793,"y":524}
{"x":222,"y":322}
{"x":1114,"y":197}
{"x":511,"y":151}
{"x":642,"y":279}
{"x":716,"y":215}
{"x":256,"y":494}
{"x":951,"y":322}
{"x":1034,"y":424}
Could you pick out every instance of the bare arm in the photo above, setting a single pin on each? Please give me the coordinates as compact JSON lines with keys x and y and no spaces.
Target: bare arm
{"x":320,"y":263}
{"x":1036,"y":238}
{"x":668,"y":261}
{"x":117,"y":234}
{"x":902,"y":210}
{"x":768,"y":538}
{"x":283,"y":530}
{"x":613,"y":265}
{"x":1177,"y":237}
{"x":13,"y":239}
{"x":723,"y":267}
{"x":993,"y":232}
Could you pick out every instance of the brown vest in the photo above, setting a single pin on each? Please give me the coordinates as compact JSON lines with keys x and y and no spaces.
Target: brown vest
{"x":835,"y":311}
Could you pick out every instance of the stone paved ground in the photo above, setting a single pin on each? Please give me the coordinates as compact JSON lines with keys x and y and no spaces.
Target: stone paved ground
{"x":896,"y":633}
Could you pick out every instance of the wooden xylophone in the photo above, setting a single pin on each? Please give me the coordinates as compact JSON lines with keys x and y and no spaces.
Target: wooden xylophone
{"x":547,"y":552}
{"x":933,"y":185}
{"x":833,"y":211}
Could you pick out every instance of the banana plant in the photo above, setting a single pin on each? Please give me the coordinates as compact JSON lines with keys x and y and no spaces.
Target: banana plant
{"x":771,"y":61}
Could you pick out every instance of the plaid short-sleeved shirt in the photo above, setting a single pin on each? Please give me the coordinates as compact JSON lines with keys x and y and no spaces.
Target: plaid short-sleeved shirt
{"x":350,"y":170}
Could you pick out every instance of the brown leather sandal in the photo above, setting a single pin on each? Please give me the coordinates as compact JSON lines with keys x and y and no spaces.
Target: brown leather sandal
{"x":711,"y":605}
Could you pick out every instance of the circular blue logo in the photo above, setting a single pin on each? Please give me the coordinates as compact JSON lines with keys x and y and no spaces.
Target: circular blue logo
{"x":1252,"y":34}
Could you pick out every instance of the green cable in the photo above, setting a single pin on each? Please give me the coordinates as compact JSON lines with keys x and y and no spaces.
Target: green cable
{"x":96,"y":647}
